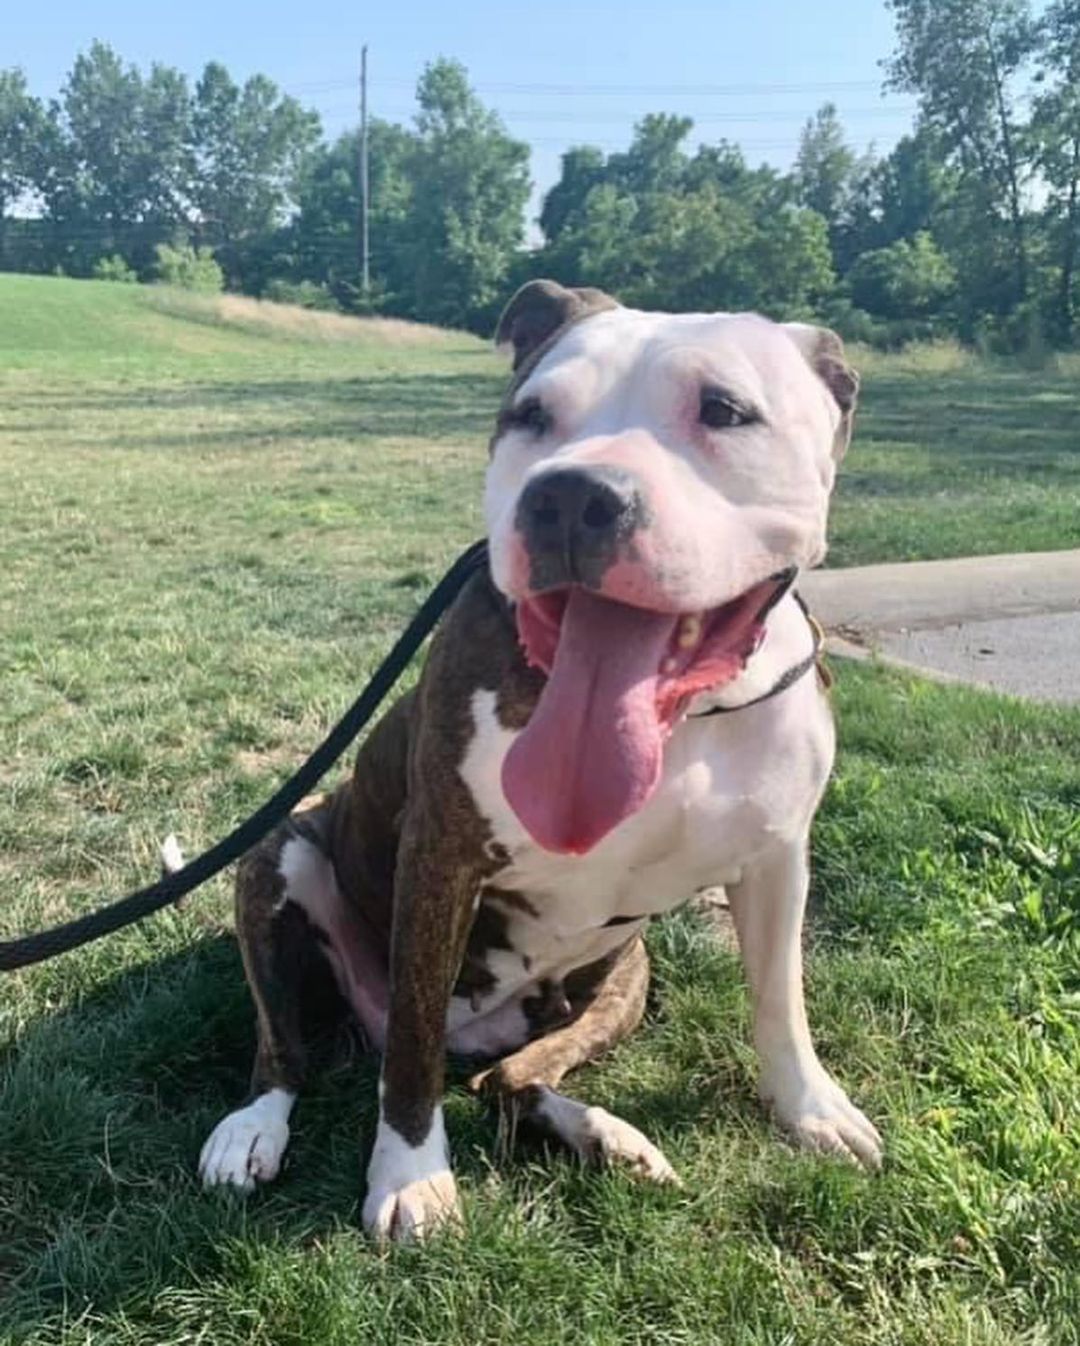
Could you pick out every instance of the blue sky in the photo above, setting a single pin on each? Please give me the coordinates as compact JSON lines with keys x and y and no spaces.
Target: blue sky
{"x":560,"y":73}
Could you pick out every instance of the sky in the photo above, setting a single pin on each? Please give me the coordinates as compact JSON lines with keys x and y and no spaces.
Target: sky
{"x":559,"y":73}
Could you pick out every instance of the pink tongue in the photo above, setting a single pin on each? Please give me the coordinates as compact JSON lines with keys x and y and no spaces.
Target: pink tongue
{"x":591,"y":753}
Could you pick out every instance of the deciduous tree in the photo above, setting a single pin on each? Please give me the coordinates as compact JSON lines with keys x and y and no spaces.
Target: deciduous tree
{"x":964,"y":60}
{"x":21,"y":122}
{"x":251,"y":146}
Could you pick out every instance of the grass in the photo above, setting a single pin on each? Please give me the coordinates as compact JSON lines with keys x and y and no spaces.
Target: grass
{"x":210,"y":527}
{"x":956,"y":456}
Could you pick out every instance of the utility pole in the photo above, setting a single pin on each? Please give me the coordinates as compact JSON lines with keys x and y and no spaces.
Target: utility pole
{"x":365,"y":268}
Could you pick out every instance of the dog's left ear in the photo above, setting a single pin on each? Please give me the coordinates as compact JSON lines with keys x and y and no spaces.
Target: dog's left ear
{"x":539,"y":310}
{"x":824,"y":351}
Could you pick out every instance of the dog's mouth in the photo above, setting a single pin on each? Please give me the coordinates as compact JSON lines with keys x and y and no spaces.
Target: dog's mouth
{"x":619,"y":677}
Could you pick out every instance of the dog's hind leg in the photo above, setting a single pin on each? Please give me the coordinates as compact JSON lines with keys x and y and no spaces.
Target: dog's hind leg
{"x":523,"y":1085}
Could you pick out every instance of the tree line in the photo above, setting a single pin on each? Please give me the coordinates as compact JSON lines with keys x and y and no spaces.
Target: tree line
{"x":970,"y":225}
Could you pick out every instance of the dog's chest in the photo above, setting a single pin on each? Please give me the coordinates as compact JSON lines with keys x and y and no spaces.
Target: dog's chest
{"x":725,"y":793}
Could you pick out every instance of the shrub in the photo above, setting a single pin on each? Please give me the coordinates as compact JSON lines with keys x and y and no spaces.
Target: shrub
{"x":114,"y":268}
{"x":910,"y":279}
{"x":304,"y":294}
{"x":851,"y":323}
{"x":1019,"y":335}
{"x":188,"y":268}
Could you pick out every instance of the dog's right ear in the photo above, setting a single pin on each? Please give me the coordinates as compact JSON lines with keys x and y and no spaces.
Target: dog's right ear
{"x":539,"y":310}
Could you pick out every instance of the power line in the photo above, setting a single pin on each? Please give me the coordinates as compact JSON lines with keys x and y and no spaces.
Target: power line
{"x":709,"y":119}
{"x":618,"y":90}
{"x":742,"y":144}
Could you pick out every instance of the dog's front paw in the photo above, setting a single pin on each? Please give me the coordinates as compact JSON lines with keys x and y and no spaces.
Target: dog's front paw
{"x":414,"y":1211}
{"x":411,"y":1191}
{"x":819,"y":1116}
{"x":246,"y":1147}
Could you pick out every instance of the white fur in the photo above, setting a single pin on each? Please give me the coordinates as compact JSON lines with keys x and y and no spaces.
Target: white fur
{"x":733,"y":787}
{"x":172,"y":857}
{"x":411,"y":1191}
{"x":593,"y":1133}
{"x":311,"y":883}
{"x":728,"y":507}
{"x":247,"y":1146}
{"x":767,"y":907}
{"x":309,"y":880}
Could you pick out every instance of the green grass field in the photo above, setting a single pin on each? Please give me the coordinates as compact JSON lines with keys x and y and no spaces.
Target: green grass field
{"x":213,"y":518}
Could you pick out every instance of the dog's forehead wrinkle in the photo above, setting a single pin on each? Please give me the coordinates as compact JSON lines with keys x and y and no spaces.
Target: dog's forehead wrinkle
{"x":670,"y":361}
{"x":573,"y":377}
{"x":742,"y":353}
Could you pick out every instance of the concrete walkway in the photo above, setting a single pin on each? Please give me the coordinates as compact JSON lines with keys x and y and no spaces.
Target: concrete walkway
{"x":1007,"y":622}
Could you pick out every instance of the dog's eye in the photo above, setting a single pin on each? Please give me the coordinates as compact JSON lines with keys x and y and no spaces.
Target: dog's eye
{"x":719,"y":412}
{"x":529,"y":415}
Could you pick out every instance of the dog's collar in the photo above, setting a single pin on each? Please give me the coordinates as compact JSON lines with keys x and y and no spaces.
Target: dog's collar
{"x":792,"y":675}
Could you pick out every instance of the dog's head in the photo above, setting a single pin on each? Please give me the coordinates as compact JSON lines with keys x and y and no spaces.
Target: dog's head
{"x":654,"y":480}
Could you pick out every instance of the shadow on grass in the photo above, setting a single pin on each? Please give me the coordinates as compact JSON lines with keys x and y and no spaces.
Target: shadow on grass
{"x":992,"y":415}
{"x":107,"y":1103}
{"x":392,"y":405}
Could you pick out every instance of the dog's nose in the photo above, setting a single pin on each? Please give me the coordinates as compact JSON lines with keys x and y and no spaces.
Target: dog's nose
{"x":572,"y":501}
{"x":574,"y":520}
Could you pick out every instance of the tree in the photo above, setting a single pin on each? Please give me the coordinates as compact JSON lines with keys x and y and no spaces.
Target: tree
{"x":116,"y":166}
{"x":912,"y":187}
{"x":666,"y":229}
{"x":583,"y":168}
{"x":963,"y":59}
{"x":188,"y":268}
{"x":825,"y":168}
{"x":602,"y":246}
{"x":656,"y":161}
{"x":1056,"y":135}
{"x":21,"y":118}
{"x":325,"y":234}
{"x":251,"y":147}
{"x":465,"y":218}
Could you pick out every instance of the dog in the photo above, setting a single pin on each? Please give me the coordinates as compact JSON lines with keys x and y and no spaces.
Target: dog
{"x":615,"y":714}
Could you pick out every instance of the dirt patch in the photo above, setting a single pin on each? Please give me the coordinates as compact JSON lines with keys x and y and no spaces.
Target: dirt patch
{"x":255,"y":761}
{"x":712,"y":904}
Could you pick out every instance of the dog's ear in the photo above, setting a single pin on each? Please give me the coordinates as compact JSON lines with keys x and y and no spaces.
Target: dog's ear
{"x":539,"y":309}
{"x":824,"y":351}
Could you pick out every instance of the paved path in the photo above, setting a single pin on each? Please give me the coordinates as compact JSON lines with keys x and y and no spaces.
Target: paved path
{"x":1007,"y":622}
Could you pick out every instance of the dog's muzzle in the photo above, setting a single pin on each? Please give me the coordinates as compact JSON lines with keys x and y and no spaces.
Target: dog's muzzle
{"x":575,"y":522}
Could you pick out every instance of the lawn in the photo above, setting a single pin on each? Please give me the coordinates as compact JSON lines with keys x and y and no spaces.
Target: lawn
{"x":213,"y":519}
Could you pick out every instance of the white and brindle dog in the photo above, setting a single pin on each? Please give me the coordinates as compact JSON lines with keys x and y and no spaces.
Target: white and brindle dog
{"x":563,"y":773}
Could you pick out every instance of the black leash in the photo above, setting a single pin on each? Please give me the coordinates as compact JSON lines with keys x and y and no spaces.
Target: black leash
{"x":171,"y":888}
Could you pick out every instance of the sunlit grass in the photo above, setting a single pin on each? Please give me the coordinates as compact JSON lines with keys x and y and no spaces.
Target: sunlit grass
{"x":208,"y":537}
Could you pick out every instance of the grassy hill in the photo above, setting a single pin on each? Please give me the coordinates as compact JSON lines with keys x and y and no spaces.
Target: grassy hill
{"x":953,"y":456}
{"x":96,"y":325}
{"x":213,"y":518}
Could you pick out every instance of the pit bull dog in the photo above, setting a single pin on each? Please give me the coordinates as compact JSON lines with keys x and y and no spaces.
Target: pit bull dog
{"x":565,"y":769}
